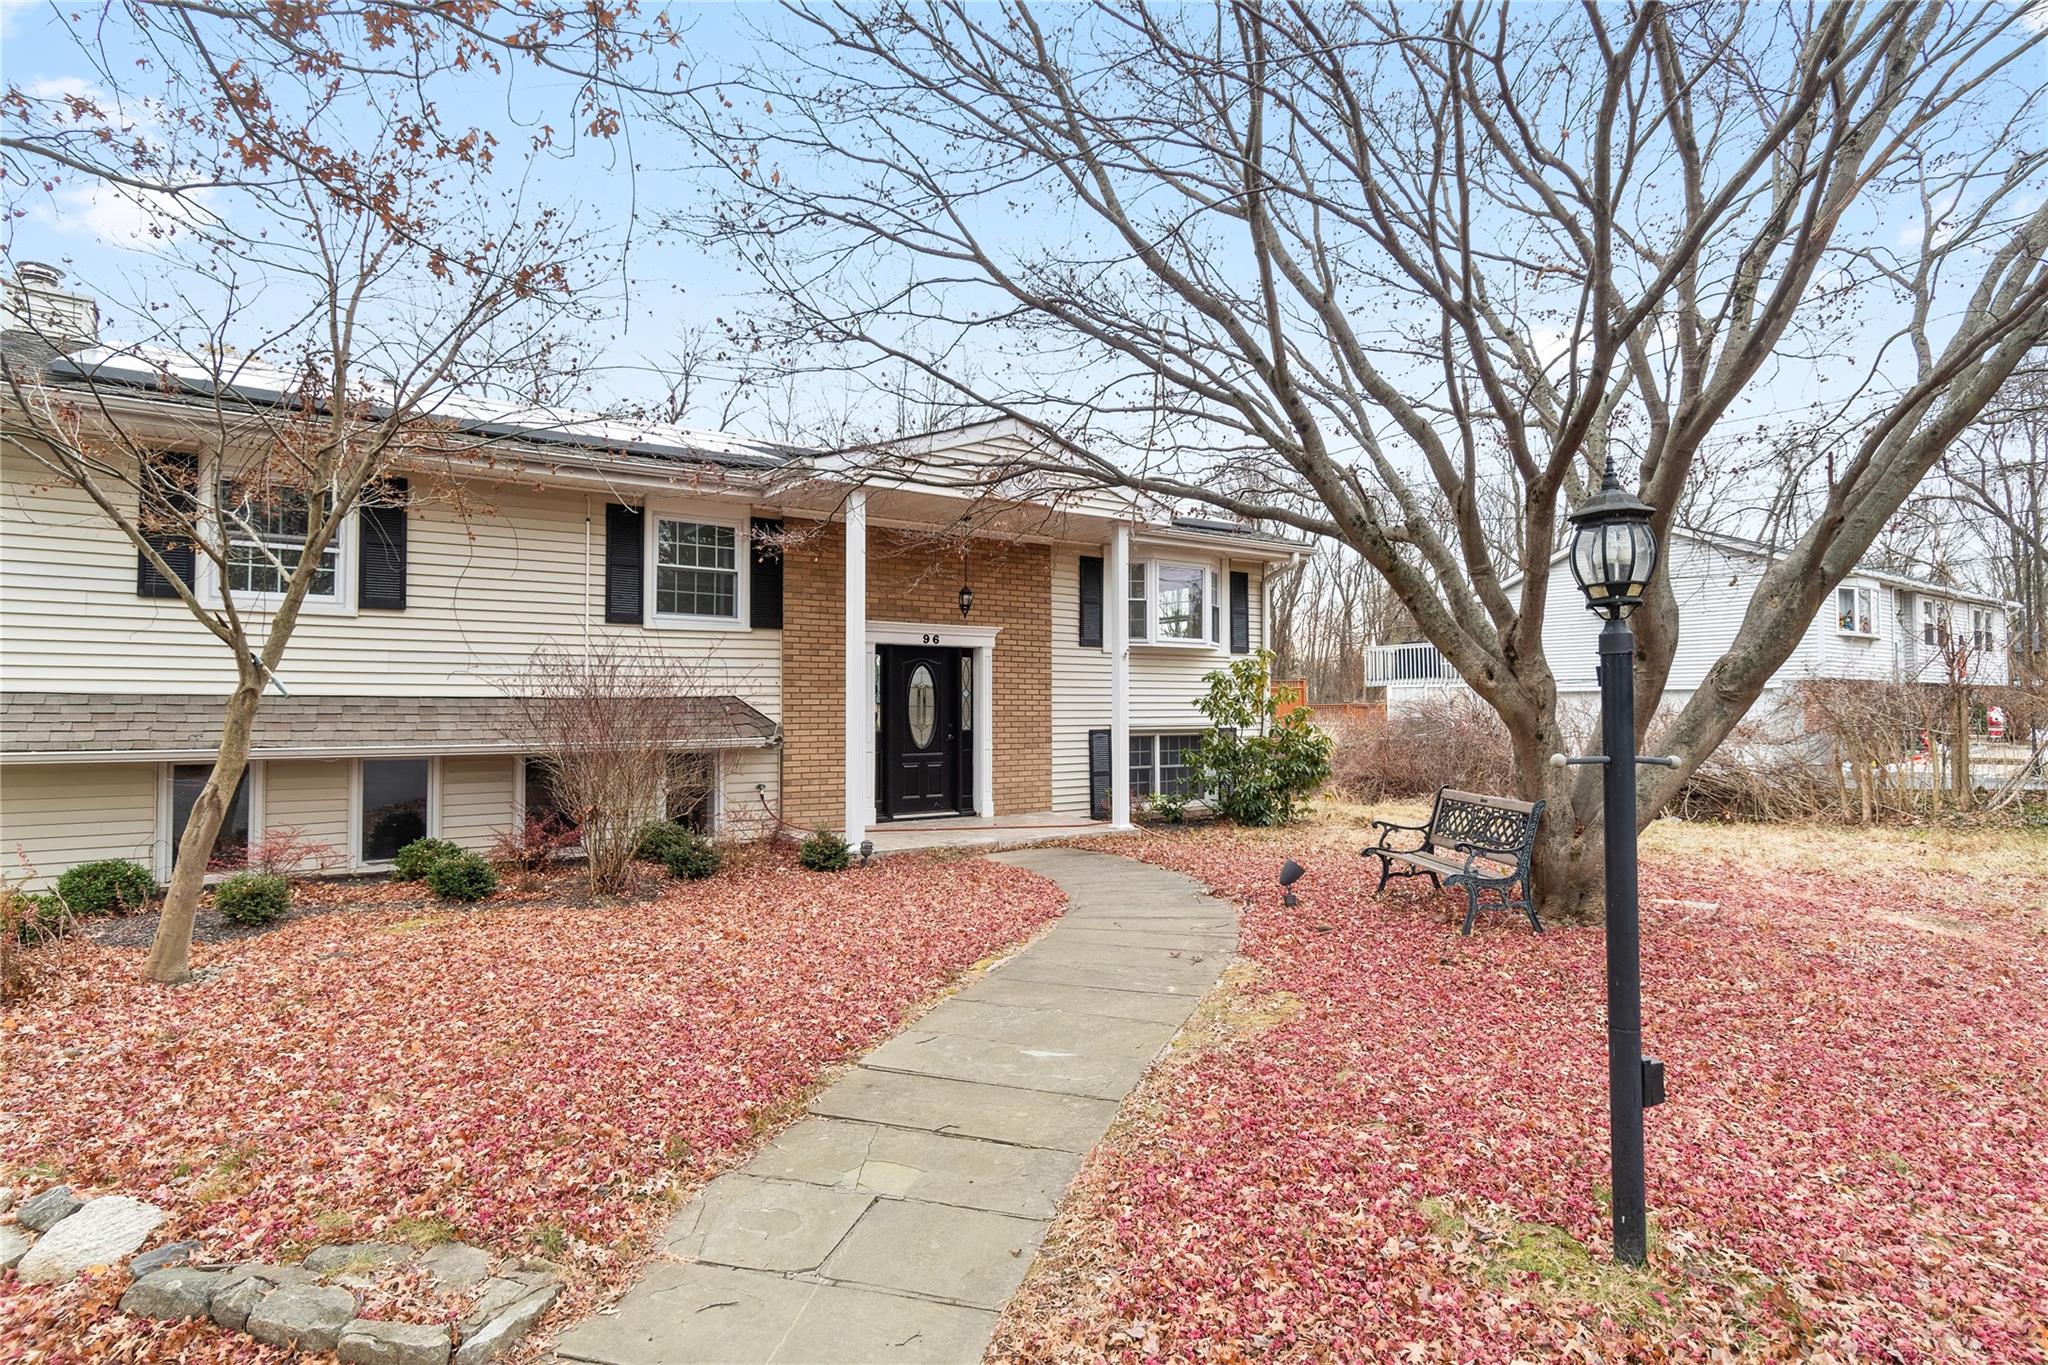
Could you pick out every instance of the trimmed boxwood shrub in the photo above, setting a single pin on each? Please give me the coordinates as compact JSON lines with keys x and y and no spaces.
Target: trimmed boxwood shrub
{"x":416,"y":858}
{"x":253,"y":898}
{"x":825,"y":851}
{"x":691,"y":858}
{"x":659,"y":838}
{"x":462,"y":877}
{"x":107,"y":886}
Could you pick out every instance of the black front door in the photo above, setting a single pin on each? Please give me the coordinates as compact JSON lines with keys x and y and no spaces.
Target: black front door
{"x":918,"y":749}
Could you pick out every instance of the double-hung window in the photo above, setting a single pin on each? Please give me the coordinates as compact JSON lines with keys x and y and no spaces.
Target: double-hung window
{"x":1141,"y":767}
{"x":1930,"y":622}
{"x":265,"y":535}
{"x":1174,"y":750}
{"x":1141,"y":603}
{"x":696,"y":569}
{"x":1981,"y":637}
{"x":1856,"y":611}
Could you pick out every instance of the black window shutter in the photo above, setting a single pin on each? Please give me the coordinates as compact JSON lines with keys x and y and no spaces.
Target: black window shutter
{"x":380,"y":548}
{"x":1240,"y":612}
{"x":1098,"y":772}
{"x":625,"y":558}
{"x":1091,"y":601}
{"x":170,"y":487}
{"x":764,"y":587}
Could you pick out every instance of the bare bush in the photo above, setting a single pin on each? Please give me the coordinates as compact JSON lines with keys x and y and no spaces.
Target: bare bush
{"x":1420,"y":748}
{"x":609,"y":722}
{"x":1757,"y":775}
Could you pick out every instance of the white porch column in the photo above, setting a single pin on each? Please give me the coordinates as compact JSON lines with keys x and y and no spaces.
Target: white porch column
{"x":1116,"y":621}
{"x":860,"y":688}
{"x":985,"y":730}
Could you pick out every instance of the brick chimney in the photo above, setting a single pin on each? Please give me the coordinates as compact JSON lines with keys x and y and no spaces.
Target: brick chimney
{"x":36,"y":303}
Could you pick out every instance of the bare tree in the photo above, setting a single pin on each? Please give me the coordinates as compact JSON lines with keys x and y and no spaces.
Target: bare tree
{"x":238,"y":506}
{"x":610,"y":723}
{"x":1379,"y":272}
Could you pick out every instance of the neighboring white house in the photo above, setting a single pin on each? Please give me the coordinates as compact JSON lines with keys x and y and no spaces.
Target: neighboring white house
{"x":1876,"y":626}
{"x":875,"y":663}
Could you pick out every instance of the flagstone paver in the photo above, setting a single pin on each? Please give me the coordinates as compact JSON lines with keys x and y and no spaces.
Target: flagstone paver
{"x":893,"y":1223}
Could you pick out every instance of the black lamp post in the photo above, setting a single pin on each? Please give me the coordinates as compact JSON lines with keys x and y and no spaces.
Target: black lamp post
{"x":1613,"y":552}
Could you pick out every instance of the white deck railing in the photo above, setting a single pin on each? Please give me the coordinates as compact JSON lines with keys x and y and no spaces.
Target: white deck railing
{"x":1412,"y":665}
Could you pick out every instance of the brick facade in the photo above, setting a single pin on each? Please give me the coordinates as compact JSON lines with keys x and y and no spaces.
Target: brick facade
{"x":913,"y":579}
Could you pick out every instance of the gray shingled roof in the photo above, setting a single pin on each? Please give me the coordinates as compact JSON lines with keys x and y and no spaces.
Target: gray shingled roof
{"x":78,"y":725}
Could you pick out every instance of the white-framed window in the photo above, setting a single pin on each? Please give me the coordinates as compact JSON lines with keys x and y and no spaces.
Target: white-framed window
{"x":1175,"y":603}
{"x":392,"y":803}
{"x":1930,"y":622}
{"x":1174,"y":778}
{"x":1982,"y":635}
{"x":1143,"y":779}
{"x":263,"y":538}
{"x":179,"y":786}
{"x":697,"y":569}
{"x":1856,"y":611}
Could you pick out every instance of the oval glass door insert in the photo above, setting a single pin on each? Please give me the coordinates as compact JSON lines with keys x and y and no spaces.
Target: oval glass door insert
{"x":924,"y":706}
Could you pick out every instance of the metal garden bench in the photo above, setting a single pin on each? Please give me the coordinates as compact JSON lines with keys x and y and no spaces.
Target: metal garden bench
{"x":1479,"y":842}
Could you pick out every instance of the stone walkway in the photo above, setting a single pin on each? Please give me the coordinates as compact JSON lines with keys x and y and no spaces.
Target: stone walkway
{"x":893,"y":1223}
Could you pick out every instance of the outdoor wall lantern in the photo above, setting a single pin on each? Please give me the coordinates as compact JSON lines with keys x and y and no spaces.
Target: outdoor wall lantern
{"x":966,"y":600}
{"x":1613,"y":553}
{"x":1290,"y":873}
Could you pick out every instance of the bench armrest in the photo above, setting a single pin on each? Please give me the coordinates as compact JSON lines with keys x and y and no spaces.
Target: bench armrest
{"x":1389,"y":827}
{"x":1474,"y":852}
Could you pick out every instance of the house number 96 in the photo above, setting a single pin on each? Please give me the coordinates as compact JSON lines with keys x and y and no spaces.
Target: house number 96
{"x":931,"y":639}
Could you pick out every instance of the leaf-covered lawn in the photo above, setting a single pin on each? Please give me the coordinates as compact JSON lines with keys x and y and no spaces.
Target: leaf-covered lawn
{"x":538,"y":1081}
{"x":1385,"y":1143}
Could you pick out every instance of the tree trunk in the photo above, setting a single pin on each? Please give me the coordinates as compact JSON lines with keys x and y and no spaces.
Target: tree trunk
{"x":1959,"y":772}
{"x":170,"y":952}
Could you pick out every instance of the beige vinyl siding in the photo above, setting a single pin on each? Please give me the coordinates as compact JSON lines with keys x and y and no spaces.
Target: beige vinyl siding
{"x":747,"y":777}
{"x":1080,"y":681}
{"x":476,"y":799}
{"x":1166,"y":680}
{"x":494,"y":571}
{"x":309,"y":795}
{"x":55,"y":815}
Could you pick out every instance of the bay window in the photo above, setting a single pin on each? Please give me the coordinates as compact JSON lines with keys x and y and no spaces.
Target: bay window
{"x":1175,"y":603}
{"x":696,"y":569}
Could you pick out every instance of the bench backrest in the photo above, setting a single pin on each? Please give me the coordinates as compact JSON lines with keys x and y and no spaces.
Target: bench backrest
{"x":1478,"y":818}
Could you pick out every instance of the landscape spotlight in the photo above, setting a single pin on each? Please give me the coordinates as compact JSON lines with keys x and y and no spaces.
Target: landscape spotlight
{"x":867,"y":851}
{"x":1290,"y":873}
